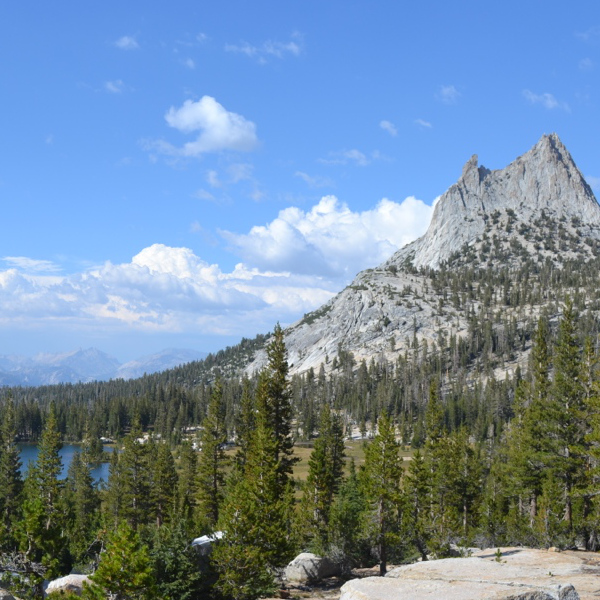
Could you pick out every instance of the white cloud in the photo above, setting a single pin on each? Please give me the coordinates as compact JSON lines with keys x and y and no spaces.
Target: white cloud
{"x":127,"y":42}
{"x":389,"y":127}
{"x":344,"y":157}
{"x":449,"y":94}
{"x":212,"y":178}
{"x":586,"y":64}
{"x":330,"y":240}
{"x":268,"y":49}
{"x":423,"y":123}
{"x":314,"y":181}
{"x":31,"y":264}
{"x":589,"y":35}
{"x":290,"y":266}
{"x":546,"y":99}
{"x":189,"y":63}
{"x":218,"y":129}
{"x":114,"y":87}
{"x":203,"y":194}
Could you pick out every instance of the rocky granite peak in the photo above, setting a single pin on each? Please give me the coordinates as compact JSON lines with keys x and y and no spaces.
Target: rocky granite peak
{"x":544,"y":181}
{"x":491,"y":236}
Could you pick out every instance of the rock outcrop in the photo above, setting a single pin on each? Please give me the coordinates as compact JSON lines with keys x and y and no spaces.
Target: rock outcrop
{"x":519,"y":573}
{"x":68,"y":583}
{"x":309,"y":568}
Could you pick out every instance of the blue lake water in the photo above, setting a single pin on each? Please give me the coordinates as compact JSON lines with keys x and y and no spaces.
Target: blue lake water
{"x":29,"y":452}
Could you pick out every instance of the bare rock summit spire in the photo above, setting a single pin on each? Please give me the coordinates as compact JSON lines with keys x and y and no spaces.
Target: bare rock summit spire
{"x":544,"y":182}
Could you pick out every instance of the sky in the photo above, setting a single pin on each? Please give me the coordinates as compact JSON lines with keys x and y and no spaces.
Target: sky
{"x":186,"y":174}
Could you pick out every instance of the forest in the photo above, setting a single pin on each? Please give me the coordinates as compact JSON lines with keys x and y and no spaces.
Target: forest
{"x":511,"y":460}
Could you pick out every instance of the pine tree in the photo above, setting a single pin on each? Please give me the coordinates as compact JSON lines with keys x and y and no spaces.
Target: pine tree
{"x":274,"y":402}
{"x":245,"y":423}
{"x":164,"y":481}
{"x":348,"y":544}
{"x":135,"y":479}
{"x":44,"y":519}
{"x":256,"y":522}
{"x":177,"y":565}
{"x":11,"y":484}
{"x":418,"y":495}
{"x":566,"y":411}
{"x":125,"y":570}
{"x":84,"y":503}
{"x":380,"y":477}
{"x":211,"y":474}
{"x":187,"y":490}
{"x":325,"y":472}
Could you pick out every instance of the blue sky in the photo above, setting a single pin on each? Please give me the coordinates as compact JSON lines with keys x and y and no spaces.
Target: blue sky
{"x":185,"y":174}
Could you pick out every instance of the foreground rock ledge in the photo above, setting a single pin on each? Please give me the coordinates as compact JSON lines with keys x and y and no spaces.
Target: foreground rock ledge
{"x":521,"y":574}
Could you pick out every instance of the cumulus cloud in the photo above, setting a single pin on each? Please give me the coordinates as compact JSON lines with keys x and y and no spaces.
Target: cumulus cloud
{"x":546,"y":100}
{"x":219,"y":129}
{"x":127,"y":42}
{"x":448,"y":94}
{"x":268,"y":49}
{"x":389,"y":127}
{"x":161,"y":289}
{"x":330,"y":240}
{"x":289,"y":267}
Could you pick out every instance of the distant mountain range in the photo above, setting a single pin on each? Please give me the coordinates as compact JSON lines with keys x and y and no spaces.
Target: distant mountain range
{"x":87,"y":365}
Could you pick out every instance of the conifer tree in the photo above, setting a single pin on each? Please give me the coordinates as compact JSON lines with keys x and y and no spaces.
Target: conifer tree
{"x":211,"y":474}
{"x":380,"y":477}
{"x":125,"y":571}
{"x":418,"y":496}
{"x":325,"y":472}
{"x":135,"y":478}
{"x":566,"y":411}
{"x":273,"y":399}
{"x":84,"y":503}
{"x":187,"y":490}
{"x":11,"y":484}
{"x":256,"y":522}
{"x":44,"y":519}
{"x":164,"y":481}
{"x":348,"y":543}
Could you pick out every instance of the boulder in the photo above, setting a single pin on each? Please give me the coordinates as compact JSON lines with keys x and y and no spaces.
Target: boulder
{"x":310,"y":568}
{"x":4,"y":595}
{"x":68,"y":583}
{"x":515,"y":574}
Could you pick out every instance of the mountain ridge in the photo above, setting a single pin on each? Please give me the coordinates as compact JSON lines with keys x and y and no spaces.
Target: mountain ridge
{"x":87,"y":365}
{"x":537,"y":209}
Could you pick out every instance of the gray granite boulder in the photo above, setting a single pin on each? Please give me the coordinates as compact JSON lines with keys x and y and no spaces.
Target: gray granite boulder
{"x":310,"y":568}
{"x":68,"y":583}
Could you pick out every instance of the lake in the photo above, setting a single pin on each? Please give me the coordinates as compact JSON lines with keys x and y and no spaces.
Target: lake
{"x":29,"y":452}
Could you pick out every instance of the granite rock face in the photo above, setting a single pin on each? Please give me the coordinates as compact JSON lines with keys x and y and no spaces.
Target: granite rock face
{"x":544,"y":181}
{"x":539,"y":207}
{"x":310,"y":568}
{"x":521,"y":573}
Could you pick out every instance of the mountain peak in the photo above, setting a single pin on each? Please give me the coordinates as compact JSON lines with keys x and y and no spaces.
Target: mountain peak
{"x":543,"y":182}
